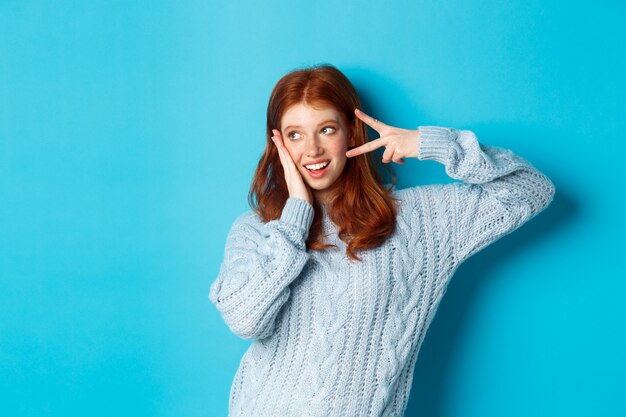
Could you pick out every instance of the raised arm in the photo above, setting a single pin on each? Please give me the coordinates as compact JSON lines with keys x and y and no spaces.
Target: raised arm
{"x":500,"y":190}
{"x":260,"y":261}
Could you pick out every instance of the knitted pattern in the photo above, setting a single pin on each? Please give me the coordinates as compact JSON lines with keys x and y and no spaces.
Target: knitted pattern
{"x":336,"y":337}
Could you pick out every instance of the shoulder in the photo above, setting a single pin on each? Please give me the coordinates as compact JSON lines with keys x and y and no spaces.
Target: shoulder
{"x":245,"y":233}
{"x":248,"y":217}
{"x":412,"y":196}
{"x":425,"y":198}
{"x":248,"y":220}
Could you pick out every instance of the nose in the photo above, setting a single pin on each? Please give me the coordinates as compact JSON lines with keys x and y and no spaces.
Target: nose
{"x":313,"y":147}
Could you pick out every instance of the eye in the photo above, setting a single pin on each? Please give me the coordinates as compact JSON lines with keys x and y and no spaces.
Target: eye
{"x":327,"y":128}
{"x":290,"y":135}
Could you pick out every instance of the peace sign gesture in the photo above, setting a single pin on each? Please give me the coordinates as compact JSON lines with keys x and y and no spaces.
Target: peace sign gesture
{"x":399,"y":143}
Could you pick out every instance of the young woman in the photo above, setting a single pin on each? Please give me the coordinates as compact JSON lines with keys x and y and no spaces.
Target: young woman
{"x":335,"y":277}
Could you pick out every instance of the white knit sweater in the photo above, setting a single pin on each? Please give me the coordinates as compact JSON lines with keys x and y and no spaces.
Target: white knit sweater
{"x":334,"y":337}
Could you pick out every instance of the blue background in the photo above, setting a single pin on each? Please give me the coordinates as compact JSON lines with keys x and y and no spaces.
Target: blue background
{"x":129,"y":132}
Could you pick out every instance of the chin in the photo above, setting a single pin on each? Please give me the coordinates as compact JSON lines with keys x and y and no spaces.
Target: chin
{"x":318,"y":187}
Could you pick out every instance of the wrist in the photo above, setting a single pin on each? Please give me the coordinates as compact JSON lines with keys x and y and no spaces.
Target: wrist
{"x":298,"y":212}
{"x":416,"y":139}
{"x":435,"y":143}
{"x":301,"y":196}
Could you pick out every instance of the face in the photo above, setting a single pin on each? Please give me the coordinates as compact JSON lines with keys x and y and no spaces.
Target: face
{"x":317,"y":140}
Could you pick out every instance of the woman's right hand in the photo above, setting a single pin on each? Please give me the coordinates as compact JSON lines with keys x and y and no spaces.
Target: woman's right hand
{"x":295,"y":183}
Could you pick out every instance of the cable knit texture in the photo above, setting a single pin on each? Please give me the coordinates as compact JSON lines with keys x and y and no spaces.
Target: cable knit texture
{"x":336,"y":337}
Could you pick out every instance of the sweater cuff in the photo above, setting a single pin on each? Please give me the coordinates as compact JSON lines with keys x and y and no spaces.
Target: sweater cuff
{"x":298,"y":212}
{"x":435,"y":142}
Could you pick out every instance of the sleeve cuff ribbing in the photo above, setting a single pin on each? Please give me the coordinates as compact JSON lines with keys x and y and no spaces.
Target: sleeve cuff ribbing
{"x":435,"y":142}
{"x":298,"y":212}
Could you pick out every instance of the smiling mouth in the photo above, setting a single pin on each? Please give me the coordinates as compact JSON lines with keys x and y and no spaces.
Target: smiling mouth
{"x":317,"y":167}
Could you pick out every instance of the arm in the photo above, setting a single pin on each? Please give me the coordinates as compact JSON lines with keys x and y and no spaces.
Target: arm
{"x":260,"y":261}
{"x":500,"y":190}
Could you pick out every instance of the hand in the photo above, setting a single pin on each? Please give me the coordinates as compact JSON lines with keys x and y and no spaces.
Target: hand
{"x":295,"y":184}
{"x":399,"y":143}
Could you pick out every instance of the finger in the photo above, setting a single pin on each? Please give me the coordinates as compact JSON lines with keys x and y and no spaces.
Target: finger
{"x":397,"y":160}
{"x":285,"y":158}
{"x":278,"y":141}
{"x":276,"y":144}
{"x":388,"y":154}
{"x":279,"y":138}
{"x":367,"y":147}
{"x":280,"y":154}
{"x":369,"y":120}
{"x":392,"y":154}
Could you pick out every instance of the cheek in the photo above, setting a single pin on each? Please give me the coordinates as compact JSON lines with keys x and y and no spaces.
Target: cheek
{"x":294,"y":151}
{"x":340,"y":149}
{"x":339,"y":153}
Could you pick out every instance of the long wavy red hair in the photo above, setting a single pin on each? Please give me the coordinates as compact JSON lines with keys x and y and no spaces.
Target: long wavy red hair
{"x":359,"y":205}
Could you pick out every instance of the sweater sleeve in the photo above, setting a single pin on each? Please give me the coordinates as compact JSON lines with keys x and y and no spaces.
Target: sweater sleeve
{"x":499,"y":190}
{"x":260,"y":261}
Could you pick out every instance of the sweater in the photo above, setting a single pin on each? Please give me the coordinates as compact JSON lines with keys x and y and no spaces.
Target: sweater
{"x":336,"y":337}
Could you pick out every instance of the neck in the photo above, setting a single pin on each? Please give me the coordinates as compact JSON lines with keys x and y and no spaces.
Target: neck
{"x":328,"y":194}
{"x":321,"y":196}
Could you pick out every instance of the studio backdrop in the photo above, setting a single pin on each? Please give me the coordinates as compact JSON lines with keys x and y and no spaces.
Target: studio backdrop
{"x":129,"y":134}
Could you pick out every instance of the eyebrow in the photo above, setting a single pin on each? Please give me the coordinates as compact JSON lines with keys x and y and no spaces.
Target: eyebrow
{"x":322,"y":123}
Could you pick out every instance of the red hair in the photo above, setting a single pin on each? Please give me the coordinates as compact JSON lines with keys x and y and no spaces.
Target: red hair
{"x":361,"y":207}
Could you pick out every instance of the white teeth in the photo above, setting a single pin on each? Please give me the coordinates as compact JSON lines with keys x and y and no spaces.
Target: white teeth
{"x":317,"y":166}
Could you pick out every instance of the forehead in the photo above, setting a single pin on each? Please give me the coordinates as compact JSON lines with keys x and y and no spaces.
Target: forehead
{"x":302,"y":114}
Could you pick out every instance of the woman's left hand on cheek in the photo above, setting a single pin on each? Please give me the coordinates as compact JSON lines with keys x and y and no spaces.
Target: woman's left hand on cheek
{"x":399,"y":143}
